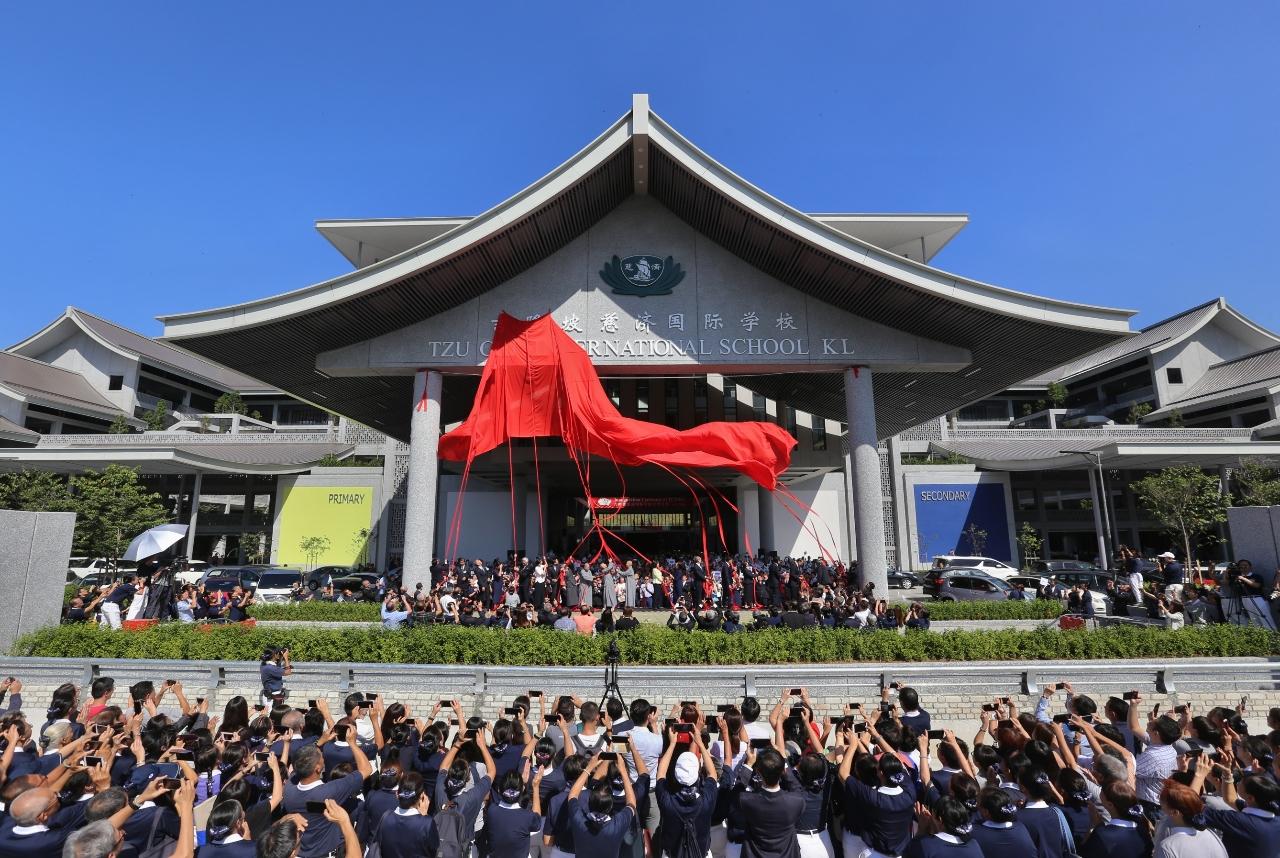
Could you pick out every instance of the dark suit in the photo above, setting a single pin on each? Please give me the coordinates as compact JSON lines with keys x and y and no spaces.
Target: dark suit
{"x":771,"y":819}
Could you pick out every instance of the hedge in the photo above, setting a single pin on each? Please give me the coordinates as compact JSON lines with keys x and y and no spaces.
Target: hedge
{"x":1040,"y":609}
{"x":647,"y":645}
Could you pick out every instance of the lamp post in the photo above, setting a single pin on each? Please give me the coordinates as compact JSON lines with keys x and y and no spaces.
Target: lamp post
{"x":1096,"y":458}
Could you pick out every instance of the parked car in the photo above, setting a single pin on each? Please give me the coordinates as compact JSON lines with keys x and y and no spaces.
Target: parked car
{"x":79,"y":567}
{"x":276,"y":585}
{"x":221,"y":583}
{"x":960,"y":585}
{"x":323,"y":576}
{"x":1092,"y":579}
{"x":246,"y":576}
{"x":1053,"y":567}
{"x":902,"y":580}
{"x":990,"y":565}
{"x":196,"y":569}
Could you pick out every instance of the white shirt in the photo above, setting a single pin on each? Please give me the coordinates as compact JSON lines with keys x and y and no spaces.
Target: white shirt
{"x":760,"y":730}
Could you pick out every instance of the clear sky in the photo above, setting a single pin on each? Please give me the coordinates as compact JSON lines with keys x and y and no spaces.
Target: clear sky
{"x":164,"y":157}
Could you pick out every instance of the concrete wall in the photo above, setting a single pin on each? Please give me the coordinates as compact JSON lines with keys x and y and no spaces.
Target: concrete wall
{"x":824,"y":523}
{"x":84,"y":355}
{"x":336,"y":478}
{"x":35,"y":548}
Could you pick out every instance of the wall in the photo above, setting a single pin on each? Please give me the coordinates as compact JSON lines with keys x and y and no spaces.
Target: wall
{"x":84,"y":355}
{"x":331,"y":505}
{"x":35,"y":548}
{"x":824,"y":523}
{"x":1255,"y":536}
{"x":936,"y":522}
{"x":485,"y":528}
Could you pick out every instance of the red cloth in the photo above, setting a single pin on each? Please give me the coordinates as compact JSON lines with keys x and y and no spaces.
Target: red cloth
{"x":538,"y":382}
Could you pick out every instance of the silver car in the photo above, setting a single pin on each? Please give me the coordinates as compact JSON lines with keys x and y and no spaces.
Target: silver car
{"x":964,"y":585}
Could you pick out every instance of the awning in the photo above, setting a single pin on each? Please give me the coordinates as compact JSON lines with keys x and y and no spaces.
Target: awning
{"x":178,"y":458}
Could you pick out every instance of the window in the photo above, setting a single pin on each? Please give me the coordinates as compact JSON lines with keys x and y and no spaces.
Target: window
{"x":789,"y":419}
{"x":730,"y":401}
{"x":757,"y":405}
{"x":819,"y":434}
{"x":115,"y":382}
{"x":671,"y":401}
{"x":1174,"y":374}
{"x":700,"y":399}
{"x":614,"y":389}
{"x":642,"y":397}
{"x":44,"y":427}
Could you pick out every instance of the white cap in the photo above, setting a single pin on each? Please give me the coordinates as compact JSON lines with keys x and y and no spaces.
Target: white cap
{"x":1168,"y":555}
{"x":687,"y":769}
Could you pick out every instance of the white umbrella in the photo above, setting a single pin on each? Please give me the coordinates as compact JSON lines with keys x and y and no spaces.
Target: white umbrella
{"x":154,"y":541}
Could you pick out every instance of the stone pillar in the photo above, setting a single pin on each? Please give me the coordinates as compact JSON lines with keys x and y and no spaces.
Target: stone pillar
{"x":868,"y":500}
{"x":424,"y":465}
{"x":195,"y":514}
{"x":851,"y":526}
{"x":766,"y":519}
{"x":1104,"y":552}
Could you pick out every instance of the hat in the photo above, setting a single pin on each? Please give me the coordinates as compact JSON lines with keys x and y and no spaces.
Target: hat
{"x":687,"y":769}
{"x":1168,"y":555}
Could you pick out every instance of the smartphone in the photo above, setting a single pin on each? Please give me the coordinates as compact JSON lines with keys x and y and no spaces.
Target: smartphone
{"x":533,"y":693}
{"x":446,"y":704}
{"x":857,"y":706}
{"x":1195,"y":752}
{"x":861,"y":728}
{"x":1181,"y":710}
{"x":258,"y":707}
{"x":671,"y":722}
{"x":99,"y":729}
{"x":795,"y":692}
{"x":724,"y":707}
{"x":453,"y":722}
{"x":183,"y":754}
{"x":549,"y":719}
{"x":1006,"y":724}
{"x":936,"y":735}
{"x":90,"y":762}
{"x":1062,"y":718}
{"x":797,"y":712}
{"x":1006,"y":701}
{"x":684,"y":703}
{"x":608,"y":755}
{"x":1155,"y":710}
{"x":170,"y":783}
{"x":895,"y":685}
{"x":199,"y":701}
{"x":1244,"y":701}
{"x":1061,"y":686}
{"x":1131,"y":695}
{"x":989,"y":707}
{"x":713,"y":727}
{"x":621,"y":743}
{"x":512,"y":711}
{"x":170,"y":682}
{"x":315,"y":807}
{"x":684,"y":728}
{"x":758,"y":744}
{"x":228,"y":737}
{"x":311,"y":704}
{"x":262,"y":756}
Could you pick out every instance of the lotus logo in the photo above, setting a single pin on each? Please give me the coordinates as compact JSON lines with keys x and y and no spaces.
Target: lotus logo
{"x":642,"y":275}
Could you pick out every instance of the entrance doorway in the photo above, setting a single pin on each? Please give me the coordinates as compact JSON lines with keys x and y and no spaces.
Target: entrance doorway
{"x":655,"y":526}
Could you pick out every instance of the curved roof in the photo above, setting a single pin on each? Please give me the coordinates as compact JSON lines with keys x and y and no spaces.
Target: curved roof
{"x":1012,"y":335}
{"x":175,"y":456}
{"x":1252,"y":373}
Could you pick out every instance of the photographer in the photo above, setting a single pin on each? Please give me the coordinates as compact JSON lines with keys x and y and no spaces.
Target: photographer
{"x":1252,"y":590}
{"x":680,"y":618}
{"x":275,"y":667}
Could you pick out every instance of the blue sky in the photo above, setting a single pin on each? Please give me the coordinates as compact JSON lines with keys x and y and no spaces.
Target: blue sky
{"x":160,"y":157}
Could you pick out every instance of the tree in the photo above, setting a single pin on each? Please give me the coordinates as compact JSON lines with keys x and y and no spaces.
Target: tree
{"x":360,"y":542}
{"x":1187,"y":502}
{"x":230,"y":403}
{"x":157,"y":418}
{"x":34,"y":491}
{"x":1137,"y":411}
{"x":257,"y":546}
{"x":1030,"y":542}
{"x":313,"y":547}
{"x":977,"y":538}
{"x":329,"y":460}
{"x":1258,"y":483}
{"x":112,"y":507}
{"x":119,"y":426}
{"x":1057,"y":393}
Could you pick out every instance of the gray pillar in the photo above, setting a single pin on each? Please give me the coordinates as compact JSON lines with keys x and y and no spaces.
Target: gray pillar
{"x":766,"y":519}
{"x":520,"y":494}
{"x":850,"y":523}
{"x":868,"y":499}
{"x":420,"y":486}
{"x":1104,"y":553}
{"x":195,"y":514}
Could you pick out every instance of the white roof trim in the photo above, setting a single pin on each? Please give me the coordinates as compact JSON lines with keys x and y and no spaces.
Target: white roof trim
{"x":69,"y":315}
{"x":923,"y":277}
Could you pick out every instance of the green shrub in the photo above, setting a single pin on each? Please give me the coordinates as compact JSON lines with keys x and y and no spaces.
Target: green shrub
{"x":647,"y":645}
{"x":1039,"y":609}
{"x":332,"y":612}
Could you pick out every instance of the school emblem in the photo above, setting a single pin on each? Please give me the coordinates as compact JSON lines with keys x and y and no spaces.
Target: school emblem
{"x":642,"y":275}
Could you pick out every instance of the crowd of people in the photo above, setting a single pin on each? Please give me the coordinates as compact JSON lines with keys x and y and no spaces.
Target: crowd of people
{"x":148,"y":772}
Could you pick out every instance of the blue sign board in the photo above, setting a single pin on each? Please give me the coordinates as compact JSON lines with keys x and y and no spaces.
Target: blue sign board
{"x":950,"y":516}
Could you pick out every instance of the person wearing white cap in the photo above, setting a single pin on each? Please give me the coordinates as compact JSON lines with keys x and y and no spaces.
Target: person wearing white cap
{"x":686,"y":808}
{"x":1174,"y":575}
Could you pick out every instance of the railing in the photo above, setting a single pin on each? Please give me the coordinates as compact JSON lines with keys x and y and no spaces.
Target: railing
{"x":1119,"y":433}
{"x":168,"y":439}
{"x":854,"y":680}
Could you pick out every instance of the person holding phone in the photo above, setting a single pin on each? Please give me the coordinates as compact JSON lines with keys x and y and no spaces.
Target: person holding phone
{"x":308,"y":794}
{"x":457,"y":786}
{"x":408,"y":831}
{"x":686,"y":808}
{"x":275,"y":667}
{"x":597,"y":831}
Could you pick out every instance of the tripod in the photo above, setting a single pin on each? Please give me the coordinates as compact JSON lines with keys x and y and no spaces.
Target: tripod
{"x":611,"y":690}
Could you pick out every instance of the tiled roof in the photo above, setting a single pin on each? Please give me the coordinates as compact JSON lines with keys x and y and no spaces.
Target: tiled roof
{"x":1233,"y":375}
{"x":1154,"y":335}
{"x":35,"y":378}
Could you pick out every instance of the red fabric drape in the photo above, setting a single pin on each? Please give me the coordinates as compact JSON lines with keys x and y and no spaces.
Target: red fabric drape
{"x":538,"y":382}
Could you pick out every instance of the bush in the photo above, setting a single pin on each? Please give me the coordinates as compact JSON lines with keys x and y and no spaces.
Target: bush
{"x":335,"y":612}
{"x":647,"y":645}
{"x":1039,"y":609}
{"x":331,"y":612}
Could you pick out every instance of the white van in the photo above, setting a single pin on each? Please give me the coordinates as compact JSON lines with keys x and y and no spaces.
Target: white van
{"x":276,"y":585}
{"x":79,"y":567}
{"x":996,"y":568}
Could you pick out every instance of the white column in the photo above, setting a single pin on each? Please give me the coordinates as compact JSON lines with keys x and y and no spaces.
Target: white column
{"x":1104,"y":553}
{"x":867,"y":499}
{"x":520,"y":497}
{"x":850,"y":517}
{"x":195,"y":514}
{"x":420,"y":486}
{"x":766,"y":519}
